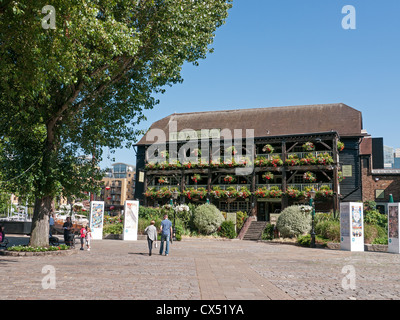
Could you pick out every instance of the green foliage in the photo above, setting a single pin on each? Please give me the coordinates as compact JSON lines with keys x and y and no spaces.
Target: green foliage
{"x":73,"y":90}
{"x":240,"y":219}
{"x":305,"y":240}
{"x":292,"y":222}
{"x":116,"y":228}
{"x":22,"y":248}
{"x":207,"y":218}
{"x":268,"y":233}
{"x":375,"y":217}
{"x":328,"y":229}
{"x":227,"y":230}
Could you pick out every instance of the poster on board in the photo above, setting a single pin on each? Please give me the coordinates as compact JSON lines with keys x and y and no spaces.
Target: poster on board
{"x":131,"y":219}
{"x":351,"y":226}
{"x":393,"y":227}
{"x":97,"y":219}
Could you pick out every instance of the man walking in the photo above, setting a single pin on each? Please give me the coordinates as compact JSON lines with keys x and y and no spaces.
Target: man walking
{"x":166,"y":232}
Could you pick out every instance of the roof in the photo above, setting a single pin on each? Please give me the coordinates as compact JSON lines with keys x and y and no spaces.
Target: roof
{"x":273,"y":121}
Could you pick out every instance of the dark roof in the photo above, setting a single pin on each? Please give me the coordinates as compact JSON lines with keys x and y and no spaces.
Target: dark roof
{"x":273,"y":121}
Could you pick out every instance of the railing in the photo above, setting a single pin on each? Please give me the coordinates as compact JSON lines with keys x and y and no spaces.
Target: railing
{"x":307,"y":153}
{"x":299,"y":186}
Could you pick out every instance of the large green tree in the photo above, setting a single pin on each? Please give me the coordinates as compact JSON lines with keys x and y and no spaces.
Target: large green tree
{"x":72,"y":90}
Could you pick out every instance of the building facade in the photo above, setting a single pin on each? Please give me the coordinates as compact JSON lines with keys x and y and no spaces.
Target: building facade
{"x":118,"y":186}
{"x":254,"y":160}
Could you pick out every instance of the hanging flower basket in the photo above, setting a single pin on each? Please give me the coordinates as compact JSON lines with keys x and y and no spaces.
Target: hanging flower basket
{"x":340,"y":146}
{"x":196,"y":178}
{"x":162,"y":180}
{"x":229,"y":179}
{"x":268,"y":148}
{"x":231,"y":150}
{"x":268,"y":176}
{"x":309,"y":176}
{"x":308,"y":146}
{"x":196,"y":152}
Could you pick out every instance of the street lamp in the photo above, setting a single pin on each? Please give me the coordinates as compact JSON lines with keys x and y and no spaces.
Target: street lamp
{"x":174,"y":196}
{"x":312,"y":204}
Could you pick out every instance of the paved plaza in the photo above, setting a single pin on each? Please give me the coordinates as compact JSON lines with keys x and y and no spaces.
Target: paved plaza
{"x":202,"y":269}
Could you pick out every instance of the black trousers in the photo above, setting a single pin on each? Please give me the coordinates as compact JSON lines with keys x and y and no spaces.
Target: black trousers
{"x":150,"y":244}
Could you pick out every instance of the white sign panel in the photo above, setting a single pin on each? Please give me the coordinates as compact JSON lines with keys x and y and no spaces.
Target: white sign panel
{"x":351,"y":226}
{"x":97,"y":219}
{"x":131,"y":220}
{"x":393,"y":227}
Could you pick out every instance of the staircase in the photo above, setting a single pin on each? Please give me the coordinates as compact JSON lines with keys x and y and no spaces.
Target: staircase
{"x":255,"y":230}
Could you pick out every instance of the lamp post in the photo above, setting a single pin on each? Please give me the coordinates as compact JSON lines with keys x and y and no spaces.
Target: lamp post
{"x":174,"y":196}
{"x":312,"y":204}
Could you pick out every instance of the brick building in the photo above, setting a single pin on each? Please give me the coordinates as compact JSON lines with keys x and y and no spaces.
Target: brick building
{"x":378,"y":183}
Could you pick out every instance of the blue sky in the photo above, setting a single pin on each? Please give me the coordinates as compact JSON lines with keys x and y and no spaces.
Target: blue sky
{"x":291,"y":52}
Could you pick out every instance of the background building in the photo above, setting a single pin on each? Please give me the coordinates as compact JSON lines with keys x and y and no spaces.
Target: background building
{"x":119,"y":185}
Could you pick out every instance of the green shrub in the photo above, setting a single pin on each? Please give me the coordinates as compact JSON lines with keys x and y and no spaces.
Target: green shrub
{"x":380,"y":240}
{"x":207,"y":218}
{"x":240,"y":219}
{"x":328,"y":229}
{"x":227,"y":230}
{"x":116,"y":228}
{"x":292,"y":222}
{"x":305,"y":240}
{"x":268,"y":233}
{"x":373,"y":231}
{"x":376,"y":218}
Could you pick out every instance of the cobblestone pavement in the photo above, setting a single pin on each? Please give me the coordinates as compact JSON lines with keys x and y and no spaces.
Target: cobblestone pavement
{"x":203,"y":269}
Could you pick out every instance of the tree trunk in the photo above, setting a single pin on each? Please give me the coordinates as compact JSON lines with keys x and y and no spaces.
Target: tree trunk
{"x":40,"y":222}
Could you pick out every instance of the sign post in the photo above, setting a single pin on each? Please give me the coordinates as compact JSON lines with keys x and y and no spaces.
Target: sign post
{"x":97,"y":219}
{"x":351,"y":226}
{"x":393,"y":227}
{"x":131,"y":219}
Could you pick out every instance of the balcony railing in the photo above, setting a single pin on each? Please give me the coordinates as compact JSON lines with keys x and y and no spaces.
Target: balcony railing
{"x":299,"y":186}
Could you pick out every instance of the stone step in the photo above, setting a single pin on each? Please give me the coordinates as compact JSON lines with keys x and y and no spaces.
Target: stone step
{"x":255,"y":230}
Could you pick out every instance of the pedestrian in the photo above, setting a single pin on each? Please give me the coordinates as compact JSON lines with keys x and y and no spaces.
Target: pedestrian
{"x":151,"y":232}
{"x":83,"y":236}
{"x":166,"y":232}
{"x":51,"y":224}
{"x":88,"y":237}
{"x":67,"y":226}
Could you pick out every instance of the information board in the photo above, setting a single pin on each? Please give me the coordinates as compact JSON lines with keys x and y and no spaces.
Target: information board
{"x":393,"y":227}
{"x":351,"y":226}
{"x":131,"y":218}
{"x":97,"y":219}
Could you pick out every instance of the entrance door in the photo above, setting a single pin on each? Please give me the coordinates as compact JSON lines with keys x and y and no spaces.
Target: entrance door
{"x":262,"y":211}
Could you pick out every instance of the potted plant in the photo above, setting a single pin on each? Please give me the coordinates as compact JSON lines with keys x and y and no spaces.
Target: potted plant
{"x":275,"y":192}
{"x":268,"y":148}
{"x":243,"y":193}
{"x":340,"y":146}
{"x":229,"y":179}
{"x":162,"y":180}
{"x":292,"y":160}
{"x":268,"y":176}
{"x":294,"y":193}
{"x":196,"y":177}
{"x":308,"y":146}
{"x":231,"y":150}
{"x":309,"y":176}
{"x":275,"y":161}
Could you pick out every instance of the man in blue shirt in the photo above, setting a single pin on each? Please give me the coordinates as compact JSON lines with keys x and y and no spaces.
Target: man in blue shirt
{"x":166,"y":232}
